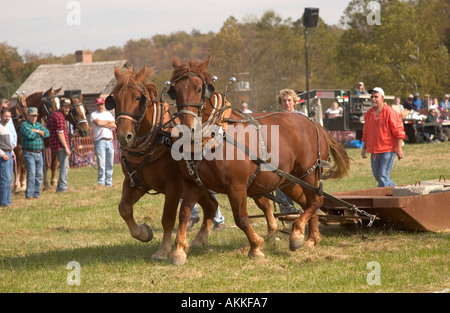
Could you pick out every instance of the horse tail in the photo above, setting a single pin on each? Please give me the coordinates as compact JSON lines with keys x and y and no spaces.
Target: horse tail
{"x":341,"y":164}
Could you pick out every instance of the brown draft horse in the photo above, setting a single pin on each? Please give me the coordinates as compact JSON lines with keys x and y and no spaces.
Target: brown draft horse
{"x":299,"y":142}
{"x":147,"y":164}
{"x":19,"y":114}
{"x":48,"y":102}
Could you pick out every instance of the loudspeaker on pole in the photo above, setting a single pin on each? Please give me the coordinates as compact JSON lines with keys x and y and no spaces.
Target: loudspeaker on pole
{"x":311,"y":17}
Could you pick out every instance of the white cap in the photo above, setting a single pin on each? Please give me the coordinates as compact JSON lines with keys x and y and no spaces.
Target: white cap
{"x":377,"y":89}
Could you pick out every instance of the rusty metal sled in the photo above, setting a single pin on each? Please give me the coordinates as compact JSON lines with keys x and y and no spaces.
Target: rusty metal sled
{"x":401,"y":207}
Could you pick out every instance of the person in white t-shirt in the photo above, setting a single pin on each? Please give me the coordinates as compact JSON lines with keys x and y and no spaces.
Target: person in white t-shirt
{"x":103,"y":122}
{"x":334,"y":111}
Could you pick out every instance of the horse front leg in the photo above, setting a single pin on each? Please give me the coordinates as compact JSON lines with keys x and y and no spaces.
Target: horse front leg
{"x":22,"y":177}
{"x":238,"y":202}
{"x":191,"y":194}
{"x":129,"y":197}
{"x":54,"y":166}
{"x":272,"y":225}
{"x":168,"y":222}
{"x":46,"y":164}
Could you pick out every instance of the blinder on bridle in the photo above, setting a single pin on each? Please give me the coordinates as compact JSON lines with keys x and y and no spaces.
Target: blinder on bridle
{"x":207,"y":92}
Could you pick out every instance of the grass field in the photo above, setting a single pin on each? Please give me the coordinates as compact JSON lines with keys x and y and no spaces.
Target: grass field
{"x":39,"y":238}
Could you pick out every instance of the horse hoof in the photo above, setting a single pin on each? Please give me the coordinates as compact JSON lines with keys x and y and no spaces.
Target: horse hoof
{"x":178,"y":259}
{"x":160,"y":256}
{"x":273,"y":237}
{"x":295,"y":243}
{"x":310,"y":244}
{"x":149,"y":233}
{"x":255,"y":254}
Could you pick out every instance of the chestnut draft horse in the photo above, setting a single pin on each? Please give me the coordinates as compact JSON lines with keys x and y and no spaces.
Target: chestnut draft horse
{"x":144,"y":132}
{"x":19,"y":114}
{"x":48,"y":102}
{"x":298,"y":148}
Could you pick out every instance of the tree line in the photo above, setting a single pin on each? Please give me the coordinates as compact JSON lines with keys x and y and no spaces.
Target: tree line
{"x":407,"y":52}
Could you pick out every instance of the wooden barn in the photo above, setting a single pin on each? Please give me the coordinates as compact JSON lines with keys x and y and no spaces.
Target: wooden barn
{"x":94,"y":79}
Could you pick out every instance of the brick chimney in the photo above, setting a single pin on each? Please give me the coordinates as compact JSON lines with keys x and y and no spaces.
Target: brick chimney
{"x":83,"y":56}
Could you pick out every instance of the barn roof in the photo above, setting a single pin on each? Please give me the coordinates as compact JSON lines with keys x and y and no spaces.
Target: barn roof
{"x":96,"y":78}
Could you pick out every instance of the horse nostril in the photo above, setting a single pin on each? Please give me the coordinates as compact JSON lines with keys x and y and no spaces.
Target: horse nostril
{"x":129,"y":137}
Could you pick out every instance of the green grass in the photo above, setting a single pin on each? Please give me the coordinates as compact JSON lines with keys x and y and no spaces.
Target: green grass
{"x":38,"y":238}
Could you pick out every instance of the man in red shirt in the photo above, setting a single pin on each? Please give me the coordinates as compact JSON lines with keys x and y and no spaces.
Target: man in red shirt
{"x":59,"y":142}
{"x":383,"y":136}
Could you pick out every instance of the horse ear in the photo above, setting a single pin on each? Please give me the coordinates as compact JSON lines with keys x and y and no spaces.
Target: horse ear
{"x":175,"y":62}
{"x":57,"y":90}
{"x":140,"y":75}
{"x":206,"y":61}
{"x":117,"y":72}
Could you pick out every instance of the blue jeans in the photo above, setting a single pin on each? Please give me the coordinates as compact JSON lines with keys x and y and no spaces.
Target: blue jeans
{"x":6,"y":171}
{"x":218,"y":218}
{"x":63,"y":170}
{"x":382,"y":166}
{"x":34,"y":163}
{"x":104,"y":152}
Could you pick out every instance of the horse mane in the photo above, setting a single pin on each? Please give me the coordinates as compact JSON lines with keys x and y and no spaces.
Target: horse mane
{"x":130,"y":79}
{"x":193,"y":66}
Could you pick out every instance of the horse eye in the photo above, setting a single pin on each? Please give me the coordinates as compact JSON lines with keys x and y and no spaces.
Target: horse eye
{"x":199,"y":90}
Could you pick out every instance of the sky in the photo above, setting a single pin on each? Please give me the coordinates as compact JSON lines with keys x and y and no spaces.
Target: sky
{"x":64,"y":26}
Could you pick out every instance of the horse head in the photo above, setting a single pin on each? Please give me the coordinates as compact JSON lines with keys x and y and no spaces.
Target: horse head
{"x":50,"y":101}
{"x":19,"y":111}
{"x":191,"y":87}
{"x":131,"y":96}
{"x":45,"y":101}
{"x":77,"y":116}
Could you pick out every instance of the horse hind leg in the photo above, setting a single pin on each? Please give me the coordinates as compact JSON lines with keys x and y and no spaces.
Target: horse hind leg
{"x":297,"y":238}
{"x":263,"y":204}
{"x":209,"y":206}
{"x":296,"y":193}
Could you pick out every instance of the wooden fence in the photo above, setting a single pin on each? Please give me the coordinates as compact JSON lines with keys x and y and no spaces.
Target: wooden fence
{"x":84,"y":151}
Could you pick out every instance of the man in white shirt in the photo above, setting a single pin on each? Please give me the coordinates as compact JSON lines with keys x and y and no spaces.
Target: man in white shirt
{"x":103,"y":122}
{"x":10,"y":124}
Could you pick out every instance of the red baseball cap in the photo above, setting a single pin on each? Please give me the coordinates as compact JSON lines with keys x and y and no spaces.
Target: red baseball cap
{"x":99,"y":100}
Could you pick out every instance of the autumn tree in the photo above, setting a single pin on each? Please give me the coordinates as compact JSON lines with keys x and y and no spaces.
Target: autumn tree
{"x":404,"y":53}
